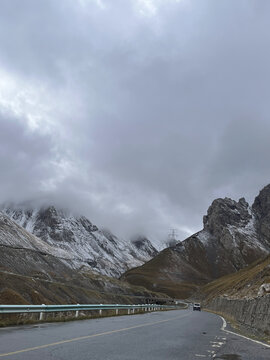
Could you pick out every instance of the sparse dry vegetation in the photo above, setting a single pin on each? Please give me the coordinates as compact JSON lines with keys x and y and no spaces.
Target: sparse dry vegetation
{"x":244,"y":283}
{"x":152,"y":277}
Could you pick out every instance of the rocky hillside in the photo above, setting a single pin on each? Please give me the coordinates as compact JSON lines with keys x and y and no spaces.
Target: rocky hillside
{"x":33,"y":271}
{"x":77,"y":239}
{"x":234,"y":235}
{"x":251,"y":282}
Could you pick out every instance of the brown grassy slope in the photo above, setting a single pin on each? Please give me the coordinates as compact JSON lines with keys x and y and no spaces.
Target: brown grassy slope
{"x":9,"y":297}
{"x":167,"y":273}
{"x":244,"y":283}
{"x":182,"y":274}
{"x":30,"y":272}
{"x":20,"y":289}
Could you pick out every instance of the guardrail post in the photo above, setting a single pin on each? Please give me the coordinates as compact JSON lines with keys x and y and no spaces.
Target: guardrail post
{"x":100,"y":312}
{"x":128,"y":311}
{"x":116,"y":311}
{"x":41,"y":314}
{"x":77,"y":312}
{"x":133,"y":311}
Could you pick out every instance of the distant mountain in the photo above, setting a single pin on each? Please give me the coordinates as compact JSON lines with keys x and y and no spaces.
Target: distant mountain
{"x":25,"y":254}
{"x":144,"y":245}
{"x":234,"y":236}
{"x":81,"y":241}
{"x":33,"y":271}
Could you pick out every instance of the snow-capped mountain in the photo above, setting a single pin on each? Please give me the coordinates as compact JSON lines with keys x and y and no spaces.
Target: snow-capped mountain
{"x":24,"y":253}
{"x":234,"y":235}
{"x":32,"y":271}
{"x":76,"y":238}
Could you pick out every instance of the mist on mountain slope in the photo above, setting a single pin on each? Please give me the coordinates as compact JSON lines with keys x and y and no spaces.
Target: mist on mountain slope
{"x":136,"y":114}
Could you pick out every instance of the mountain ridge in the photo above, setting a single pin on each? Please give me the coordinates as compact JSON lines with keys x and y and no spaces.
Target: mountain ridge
{"x":32,"y":271}
{"x":81,"y":241}
{"x":234,"y":235}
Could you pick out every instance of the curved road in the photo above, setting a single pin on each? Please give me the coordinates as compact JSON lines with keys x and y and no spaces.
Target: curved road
{"x":170,"y":335}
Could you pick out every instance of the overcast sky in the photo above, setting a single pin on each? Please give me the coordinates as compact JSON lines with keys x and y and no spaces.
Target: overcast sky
{"x":136,"y":113}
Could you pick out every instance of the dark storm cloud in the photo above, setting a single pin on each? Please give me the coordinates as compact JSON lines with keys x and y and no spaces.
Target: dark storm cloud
{"x":25,"y":158}
{"x":137,"y":113}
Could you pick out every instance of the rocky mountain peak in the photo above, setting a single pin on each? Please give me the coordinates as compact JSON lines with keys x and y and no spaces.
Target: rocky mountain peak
{"x":224,"y":212}
{"x":261,"y":208}
{"x":143,"y":244}
{"x":261,"y":203}
{"x":58,"y":223}
{"x":49,"y":217}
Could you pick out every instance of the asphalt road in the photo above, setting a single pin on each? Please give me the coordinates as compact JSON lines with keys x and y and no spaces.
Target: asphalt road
{"x":169,"y":335}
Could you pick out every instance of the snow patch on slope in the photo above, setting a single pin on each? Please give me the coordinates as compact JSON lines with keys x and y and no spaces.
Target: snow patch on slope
{"x":203,"y":236}
{"x":76,"y":238}
{"x":248,"y":231}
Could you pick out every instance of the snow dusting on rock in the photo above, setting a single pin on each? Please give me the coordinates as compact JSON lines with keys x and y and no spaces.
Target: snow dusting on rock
{"x":76,"y":238}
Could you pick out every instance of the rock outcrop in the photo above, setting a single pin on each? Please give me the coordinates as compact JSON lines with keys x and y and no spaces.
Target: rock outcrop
{"x":264,"y":289}
{"x":261,"y":209}
{"x":142,"y":244}
{"x":234,"y":235}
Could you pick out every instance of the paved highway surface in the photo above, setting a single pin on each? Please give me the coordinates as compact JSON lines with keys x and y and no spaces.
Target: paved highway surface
{"x":170,"y":335}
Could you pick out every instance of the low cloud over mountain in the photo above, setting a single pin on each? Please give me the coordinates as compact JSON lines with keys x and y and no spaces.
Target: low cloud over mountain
{"x":136,"y":113}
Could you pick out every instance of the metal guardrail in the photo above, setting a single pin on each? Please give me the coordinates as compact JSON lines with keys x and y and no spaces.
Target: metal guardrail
{"x":19,"y":309}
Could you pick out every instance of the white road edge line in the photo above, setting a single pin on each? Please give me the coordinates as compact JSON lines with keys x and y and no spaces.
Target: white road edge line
{"x":223,"y":328}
